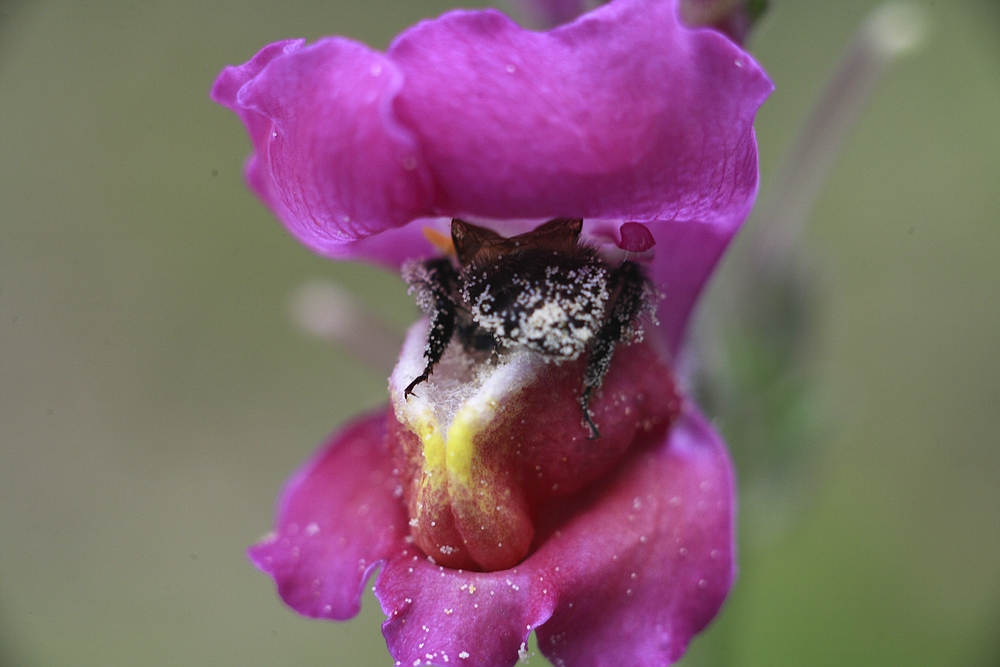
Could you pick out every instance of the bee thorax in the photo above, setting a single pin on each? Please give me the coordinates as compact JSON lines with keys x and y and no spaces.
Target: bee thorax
{"x":555,"y":310}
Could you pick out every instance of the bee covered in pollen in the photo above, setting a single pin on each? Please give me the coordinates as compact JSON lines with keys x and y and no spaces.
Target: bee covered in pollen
{"x":543,"y":291}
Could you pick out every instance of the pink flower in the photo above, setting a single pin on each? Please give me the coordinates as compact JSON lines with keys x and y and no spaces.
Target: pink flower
{"x":497,"y":515}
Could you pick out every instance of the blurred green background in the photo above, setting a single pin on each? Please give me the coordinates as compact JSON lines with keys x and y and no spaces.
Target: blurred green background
{"x":154,"y":392}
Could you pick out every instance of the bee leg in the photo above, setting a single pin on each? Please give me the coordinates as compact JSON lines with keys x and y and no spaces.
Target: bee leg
{"x":434,"y":283}
{"x":585,"y":404}
{"x":602,"y":347}
{"x":631,"y":295}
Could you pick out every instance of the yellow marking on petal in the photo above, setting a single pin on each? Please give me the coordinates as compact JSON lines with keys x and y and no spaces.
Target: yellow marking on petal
{"x":439,"y":240}
{"x":449,"y":459}
{"x":425,"y":425}
{"x":469,"y":421}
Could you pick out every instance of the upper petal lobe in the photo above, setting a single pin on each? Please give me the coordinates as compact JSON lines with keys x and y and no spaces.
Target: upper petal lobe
{"x":622,"y":114}
{"x":331,"y":159}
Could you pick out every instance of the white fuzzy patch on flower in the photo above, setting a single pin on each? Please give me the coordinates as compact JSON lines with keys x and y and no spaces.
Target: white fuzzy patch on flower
{"x":459,"y":382}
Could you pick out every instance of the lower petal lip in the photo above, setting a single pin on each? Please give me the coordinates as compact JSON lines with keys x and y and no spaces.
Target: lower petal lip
{"x":480,"y":455}
{"x":324,"y":547}
{"x":621,"y":572}
{"x":625,"y":574}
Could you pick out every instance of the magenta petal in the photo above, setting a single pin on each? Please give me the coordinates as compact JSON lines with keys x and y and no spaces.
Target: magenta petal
{"x":650,"y":561}
{"x":329,"y":157}
{"x":439,"y":616}
{"x":227,"y":87}
{"x":633,"y":569}
{"x":635,"y":237}
{"x":622,"y":114}
{"x":338,"y":517}
{"x":685,"y":256}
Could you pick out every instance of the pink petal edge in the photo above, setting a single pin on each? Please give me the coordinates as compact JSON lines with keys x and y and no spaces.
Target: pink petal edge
{"x":338,"y":517}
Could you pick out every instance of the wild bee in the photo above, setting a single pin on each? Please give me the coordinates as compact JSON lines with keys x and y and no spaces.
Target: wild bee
{"x":543,"y":291}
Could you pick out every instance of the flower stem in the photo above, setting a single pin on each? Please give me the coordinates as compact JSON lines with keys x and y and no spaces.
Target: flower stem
{"x":891,"y":30}
{"x":329,"y":312}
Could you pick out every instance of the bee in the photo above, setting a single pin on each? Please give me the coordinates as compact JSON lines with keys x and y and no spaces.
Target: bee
{"x":543,"y":291}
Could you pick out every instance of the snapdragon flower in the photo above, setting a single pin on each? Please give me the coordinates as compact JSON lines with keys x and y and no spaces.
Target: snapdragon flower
{"x":481,"y":498}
